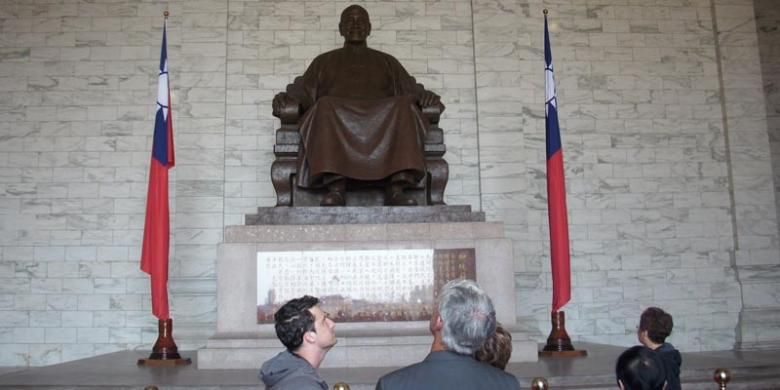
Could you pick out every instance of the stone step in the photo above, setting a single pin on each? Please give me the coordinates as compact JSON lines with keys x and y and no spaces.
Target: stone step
{"x":756,"y":377}
{"x":745,"y":378}
{"x":362,"y":215}
{"x":361,"y":382}
{"x":118,"y":371}
{"x":350,"y":352}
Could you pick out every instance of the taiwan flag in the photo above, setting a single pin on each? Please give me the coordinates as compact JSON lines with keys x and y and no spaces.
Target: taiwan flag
{"x":556,"y":187}
{"x":154,"y":254}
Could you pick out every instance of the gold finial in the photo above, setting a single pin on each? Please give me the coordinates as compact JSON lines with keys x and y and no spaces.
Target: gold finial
{"x":165,"y":14}
{"x":539,"y":383}
{"x":341,"y":386}
{"x":722,"y":376}
{"x":544,"y":11}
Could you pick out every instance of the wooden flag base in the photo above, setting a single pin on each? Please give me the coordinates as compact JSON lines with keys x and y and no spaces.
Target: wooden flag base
{"x":164,"y":352}
{"x":558,"y":343}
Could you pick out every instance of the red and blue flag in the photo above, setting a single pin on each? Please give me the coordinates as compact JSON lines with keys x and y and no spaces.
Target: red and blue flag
{"x":154,"y":253}
{"x":556,"y":187}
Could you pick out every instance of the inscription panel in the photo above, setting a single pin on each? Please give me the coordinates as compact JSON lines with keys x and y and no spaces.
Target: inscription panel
{"x":361,"y":285}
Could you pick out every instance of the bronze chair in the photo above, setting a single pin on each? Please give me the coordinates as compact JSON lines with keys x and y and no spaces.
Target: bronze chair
{"x":429,"y":191}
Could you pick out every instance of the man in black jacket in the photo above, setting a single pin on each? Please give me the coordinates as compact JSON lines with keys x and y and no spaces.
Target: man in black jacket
{"x":655,"y":325}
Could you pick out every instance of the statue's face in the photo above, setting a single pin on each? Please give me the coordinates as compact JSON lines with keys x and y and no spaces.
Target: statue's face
{"x":355,"y":26}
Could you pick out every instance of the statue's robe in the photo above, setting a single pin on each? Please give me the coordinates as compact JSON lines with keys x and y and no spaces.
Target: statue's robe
{"x":361,"y":118}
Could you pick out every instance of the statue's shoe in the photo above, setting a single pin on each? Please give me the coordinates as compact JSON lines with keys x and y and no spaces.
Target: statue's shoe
{"x":333,"y":198}
{"x":401,"y":199}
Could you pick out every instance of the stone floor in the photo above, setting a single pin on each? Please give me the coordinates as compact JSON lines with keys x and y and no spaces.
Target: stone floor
{"x":753,"y":370}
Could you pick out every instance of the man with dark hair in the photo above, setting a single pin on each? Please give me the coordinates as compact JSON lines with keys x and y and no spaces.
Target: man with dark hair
{"x":308,"y":334}
{"x":464,"y":319}
{"x":655,"y":325}
{"x":640,"y":368}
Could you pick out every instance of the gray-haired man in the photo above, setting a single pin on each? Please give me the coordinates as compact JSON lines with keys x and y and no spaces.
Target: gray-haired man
{"x":463,"y":320}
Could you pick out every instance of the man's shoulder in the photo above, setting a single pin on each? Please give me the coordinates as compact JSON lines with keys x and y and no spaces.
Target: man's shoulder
{"x":326,"y":55}
{"x":300,"y":382}
{"x":340,"y":50}
{"x":488,"y":370}
{"x":431,"y":371}
{"x":411,"y":377}
{"x":389,"y":58}
{"x":378,"y":52}
{"x":667,"y":348}
{"x":403,"y":372}
{"x":669,"y":352}
{"x":287,"y":371}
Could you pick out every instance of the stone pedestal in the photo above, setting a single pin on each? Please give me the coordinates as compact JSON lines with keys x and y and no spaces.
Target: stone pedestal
{"x":242,"y":343}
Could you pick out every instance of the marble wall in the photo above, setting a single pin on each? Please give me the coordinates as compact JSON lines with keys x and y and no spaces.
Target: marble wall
{"x":78,"y":83}
{"x":761,"y":313}
{"x":664,"y":163}
{"x":668,"y":161}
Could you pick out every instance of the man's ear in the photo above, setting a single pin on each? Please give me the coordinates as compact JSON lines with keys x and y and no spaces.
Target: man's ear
{"x":310,"y":336}
{"x":438,"y":323}
{"x":369,"y":30}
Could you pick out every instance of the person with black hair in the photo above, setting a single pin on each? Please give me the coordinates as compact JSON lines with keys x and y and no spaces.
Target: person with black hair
{"x":497,"y":349}
{"x":655,"y":325}
{"x":640,"y":368}
{"x":308,"y":333}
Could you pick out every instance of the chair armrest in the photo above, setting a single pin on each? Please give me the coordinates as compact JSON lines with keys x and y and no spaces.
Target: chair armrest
{"x":289,"y":114}
{"x":286,"y":108}
{"x":433,"y":113}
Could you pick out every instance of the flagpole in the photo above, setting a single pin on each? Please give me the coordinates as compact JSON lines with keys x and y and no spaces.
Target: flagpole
{"x":558,"y":343}
{"x":164,"y":352}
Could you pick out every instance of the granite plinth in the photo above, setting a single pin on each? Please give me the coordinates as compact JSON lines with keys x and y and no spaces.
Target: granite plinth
{"x":362,"y":236}
{"x":354,"y":349}
{"x":362,"y":215}
{"x":240,"y":341}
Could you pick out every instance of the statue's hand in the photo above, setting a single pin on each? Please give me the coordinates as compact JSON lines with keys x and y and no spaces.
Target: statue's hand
{"x":281,"y":102}
{"x":428,"y":99}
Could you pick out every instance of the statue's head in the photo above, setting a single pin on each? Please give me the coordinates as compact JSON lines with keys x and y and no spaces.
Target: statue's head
{"x":355,"y":26}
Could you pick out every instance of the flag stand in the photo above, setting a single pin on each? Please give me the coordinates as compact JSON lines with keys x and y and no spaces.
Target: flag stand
{"x":165,"y":352}
{"x":558,"y":343}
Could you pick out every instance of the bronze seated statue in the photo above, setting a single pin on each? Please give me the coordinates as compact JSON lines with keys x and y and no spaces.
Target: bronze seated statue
{"x":357,"y":129}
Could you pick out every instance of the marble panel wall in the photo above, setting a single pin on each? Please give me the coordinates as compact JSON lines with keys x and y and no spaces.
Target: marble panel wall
{"x":646,"y":162}
{"x":78,"y":84}
{"x":759,"y":267}
{"x":767,"y":22}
